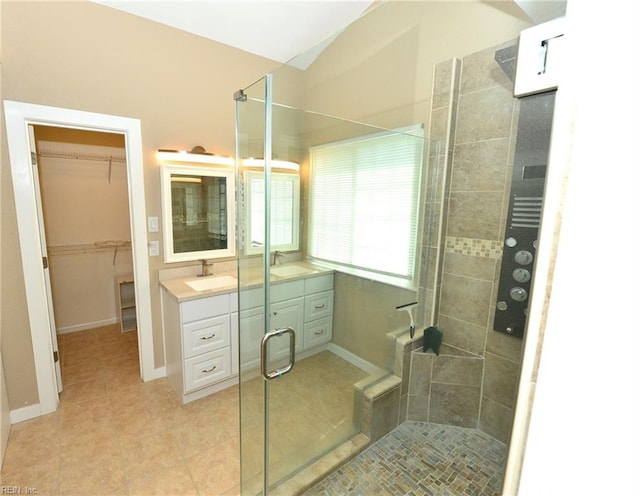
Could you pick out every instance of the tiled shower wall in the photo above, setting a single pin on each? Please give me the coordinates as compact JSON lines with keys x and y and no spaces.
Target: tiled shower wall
{"x":474,"y":116}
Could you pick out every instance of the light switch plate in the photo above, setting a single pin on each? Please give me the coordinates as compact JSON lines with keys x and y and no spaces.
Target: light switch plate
{"x":154,"y":248}
{"x":152,"y":223}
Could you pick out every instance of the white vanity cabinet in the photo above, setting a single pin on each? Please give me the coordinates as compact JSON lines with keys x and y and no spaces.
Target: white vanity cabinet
{"x":306,"y":305}
{"x":318,"y":311}
{"x":198,"y":342}
{"x":203,"y":354}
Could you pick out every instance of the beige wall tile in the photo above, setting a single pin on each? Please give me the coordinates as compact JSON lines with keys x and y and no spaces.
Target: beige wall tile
{"x":484,"y":115}
{"x":385,"y":414}
{"x":480,"y":70}
{"x":463,"y":335}
{"x":480,"y":166}
{"x":468,"y":266}
{"x":420,"y":381}
{"x":496,"y":419}
{"x":418,"y":408}
{"x":457,"y":370}
{"x":454,"y":405}
{"x":500,"y":379}
{"x":465,"y":299}
{"x":475,"y":215}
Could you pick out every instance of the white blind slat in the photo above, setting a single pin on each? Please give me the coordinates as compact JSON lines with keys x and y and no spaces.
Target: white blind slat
{"x":364,"y":207}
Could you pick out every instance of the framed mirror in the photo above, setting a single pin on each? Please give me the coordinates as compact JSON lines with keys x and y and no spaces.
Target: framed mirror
{"x":198,"y":212}
{"x":285,"y":211}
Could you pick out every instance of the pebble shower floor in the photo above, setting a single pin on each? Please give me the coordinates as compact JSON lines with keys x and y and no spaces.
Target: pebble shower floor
{"x":419,"y":458}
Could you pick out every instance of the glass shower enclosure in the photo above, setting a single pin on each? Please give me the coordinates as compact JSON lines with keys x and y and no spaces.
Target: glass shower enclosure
{"x":316,"y":325}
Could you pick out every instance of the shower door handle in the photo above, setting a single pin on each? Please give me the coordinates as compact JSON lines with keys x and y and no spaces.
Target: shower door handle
{"x":263,"y":352}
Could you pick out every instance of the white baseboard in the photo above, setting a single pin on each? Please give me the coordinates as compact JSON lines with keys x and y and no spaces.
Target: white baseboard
{"x":353,"y":359}
{"x":157,"y":374}
{"x":86,"y":326}
{"x":25,"y":413}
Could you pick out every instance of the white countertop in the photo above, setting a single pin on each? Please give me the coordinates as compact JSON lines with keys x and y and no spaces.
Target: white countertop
{"x":250,"y":278}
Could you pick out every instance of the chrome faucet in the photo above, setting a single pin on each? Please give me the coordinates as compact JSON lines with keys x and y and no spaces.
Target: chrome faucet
{"x":205,"y":268}
{"x":276,"y":255}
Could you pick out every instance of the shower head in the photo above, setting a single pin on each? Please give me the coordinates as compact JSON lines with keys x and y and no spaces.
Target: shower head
{"x":506,"y":59}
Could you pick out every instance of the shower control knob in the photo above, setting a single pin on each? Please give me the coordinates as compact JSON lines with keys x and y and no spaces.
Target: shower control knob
{"x":502,"y":306}
{"x":511,"y":242}
{"x":523,"y":257}
{"x":518,"y":294}
{"x":521,"y":275}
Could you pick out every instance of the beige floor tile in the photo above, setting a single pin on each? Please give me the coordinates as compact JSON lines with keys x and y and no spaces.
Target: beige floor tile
{"x":216,"y":470}
{"x":173,"y":481}
{"x":116,"y":435}
{"x":149,"y":453}
{"x":79,"y":392}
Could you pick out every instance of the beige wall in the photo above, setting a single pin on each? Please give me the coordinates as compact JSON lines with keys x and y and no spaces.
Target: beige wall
{"x":84,"y":56}
{"x":380,"y":71}
{"x":85,"y":205}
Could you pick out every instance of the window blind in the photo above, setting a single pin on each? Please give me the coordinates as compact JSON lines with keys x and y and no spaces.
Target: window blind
{"x":364,"y":208}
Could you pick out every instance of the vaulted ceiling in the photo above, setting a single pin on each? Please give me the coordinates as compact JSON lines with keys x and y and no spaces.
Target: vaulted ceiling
{"x":282,"y":29}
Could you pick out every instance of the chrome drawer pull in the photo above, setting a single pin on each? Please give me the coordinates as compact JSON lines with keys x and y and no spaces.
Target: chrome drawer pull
{"x":205,"y":338}
{"x":206,"y":371}
{"x":318,"y":307}
{"x":317,"y":333}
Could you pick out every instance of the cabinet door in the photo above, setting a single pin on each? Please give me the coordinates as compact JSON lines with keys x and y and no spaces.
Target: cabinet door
{"x":288,"y":313}
{"x":252,"y":326}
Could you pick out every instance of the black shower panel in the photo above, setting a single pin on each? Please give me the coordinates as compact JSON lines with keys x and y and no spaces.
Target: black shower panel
{"x":525,"y":211}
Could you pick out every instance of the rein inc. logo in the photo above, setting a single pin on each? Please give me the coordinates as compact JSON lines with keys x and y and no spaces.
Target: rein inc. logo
{"x":18,"y":490}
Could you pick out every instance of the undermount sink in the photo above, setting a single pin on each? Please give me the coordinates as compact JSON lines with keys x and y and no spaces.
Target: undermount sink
{"x":290,"y":270}
{"x":212,"y":282}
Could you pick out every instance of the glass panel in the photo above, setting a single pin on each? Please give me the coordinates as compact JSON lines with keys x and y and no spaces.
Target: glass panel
{"x":250,"y":133}
{"x":317,"y":406}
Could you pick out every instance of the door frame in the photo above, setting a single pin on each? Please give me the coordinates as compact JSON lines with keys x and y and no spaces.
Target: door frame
{"x":19,"y":116}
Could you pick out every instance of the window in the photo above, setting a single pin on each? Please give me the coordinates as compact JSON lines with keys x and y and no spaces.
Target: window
{"x":364,"y":207}
{"x":285,"y":211}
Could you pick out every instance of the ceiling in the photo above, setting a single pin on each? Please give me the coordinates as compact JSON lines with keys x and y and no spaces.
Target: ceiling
{"x":276,"y":29}
{"x":282,"y":29}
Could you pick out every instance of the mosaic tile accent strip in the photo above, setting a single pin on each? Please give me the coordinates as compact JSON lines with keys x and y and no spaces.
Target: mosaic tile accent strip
{"x":474,"y":247}
{"x":421,"y":458}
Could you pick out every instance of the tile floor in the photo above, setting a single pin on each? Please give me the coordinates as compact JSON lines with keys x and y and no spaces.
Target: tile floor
{"x":114,"y":435}
{"x":419,"y":458}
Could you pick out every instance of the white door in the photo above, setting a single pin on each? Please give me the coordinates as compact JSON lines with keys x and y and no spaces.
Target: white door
{"x":45,"y":258}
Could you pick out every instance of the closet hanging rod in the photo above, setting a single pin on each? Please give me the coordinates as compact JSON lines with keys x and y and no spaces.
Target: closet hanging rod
{"x":98,"y":157}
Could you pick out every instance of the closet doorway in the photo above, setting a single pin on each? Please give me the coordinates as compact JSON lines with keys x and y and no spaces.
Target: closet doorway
{"x":85,"y":209}
{"x":20,"y":119}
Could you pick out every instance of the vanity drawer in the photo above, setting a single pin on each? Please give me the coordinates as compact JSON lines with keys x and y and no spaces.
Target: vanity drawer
{"x":204,"y":307}
{"x":206,"y":335}
{"x":318,"y":332}
{"x":318,"y":283}
{"x":318,"y":305}
{"x":287,"y":290}
{"x":207,"y":369}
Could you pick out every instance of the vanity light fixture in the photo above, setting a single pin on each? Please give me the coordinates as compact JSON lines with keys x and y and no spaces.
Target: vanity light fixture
{"x":178,"y":179}
{"x":275,"y":164}
{"x":197,"y":155}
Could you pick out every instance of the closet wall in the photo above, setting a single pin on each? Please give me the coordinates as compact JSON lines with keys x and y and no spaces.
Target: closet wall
{"x":85,"y":203}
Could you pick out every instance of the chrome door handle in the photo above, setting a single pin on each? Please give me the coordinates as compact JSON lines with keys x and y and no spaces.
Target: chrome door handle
{"x":263,"y":352}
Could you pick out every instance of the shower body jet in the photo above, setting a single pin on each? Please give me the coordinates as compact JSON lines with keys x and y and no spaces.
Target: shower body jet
{"x":409,"y":307}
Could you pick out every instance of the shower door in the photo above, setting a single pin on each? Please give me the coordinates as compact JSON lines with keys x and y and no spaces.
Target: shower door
{"x":267,"y":332}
